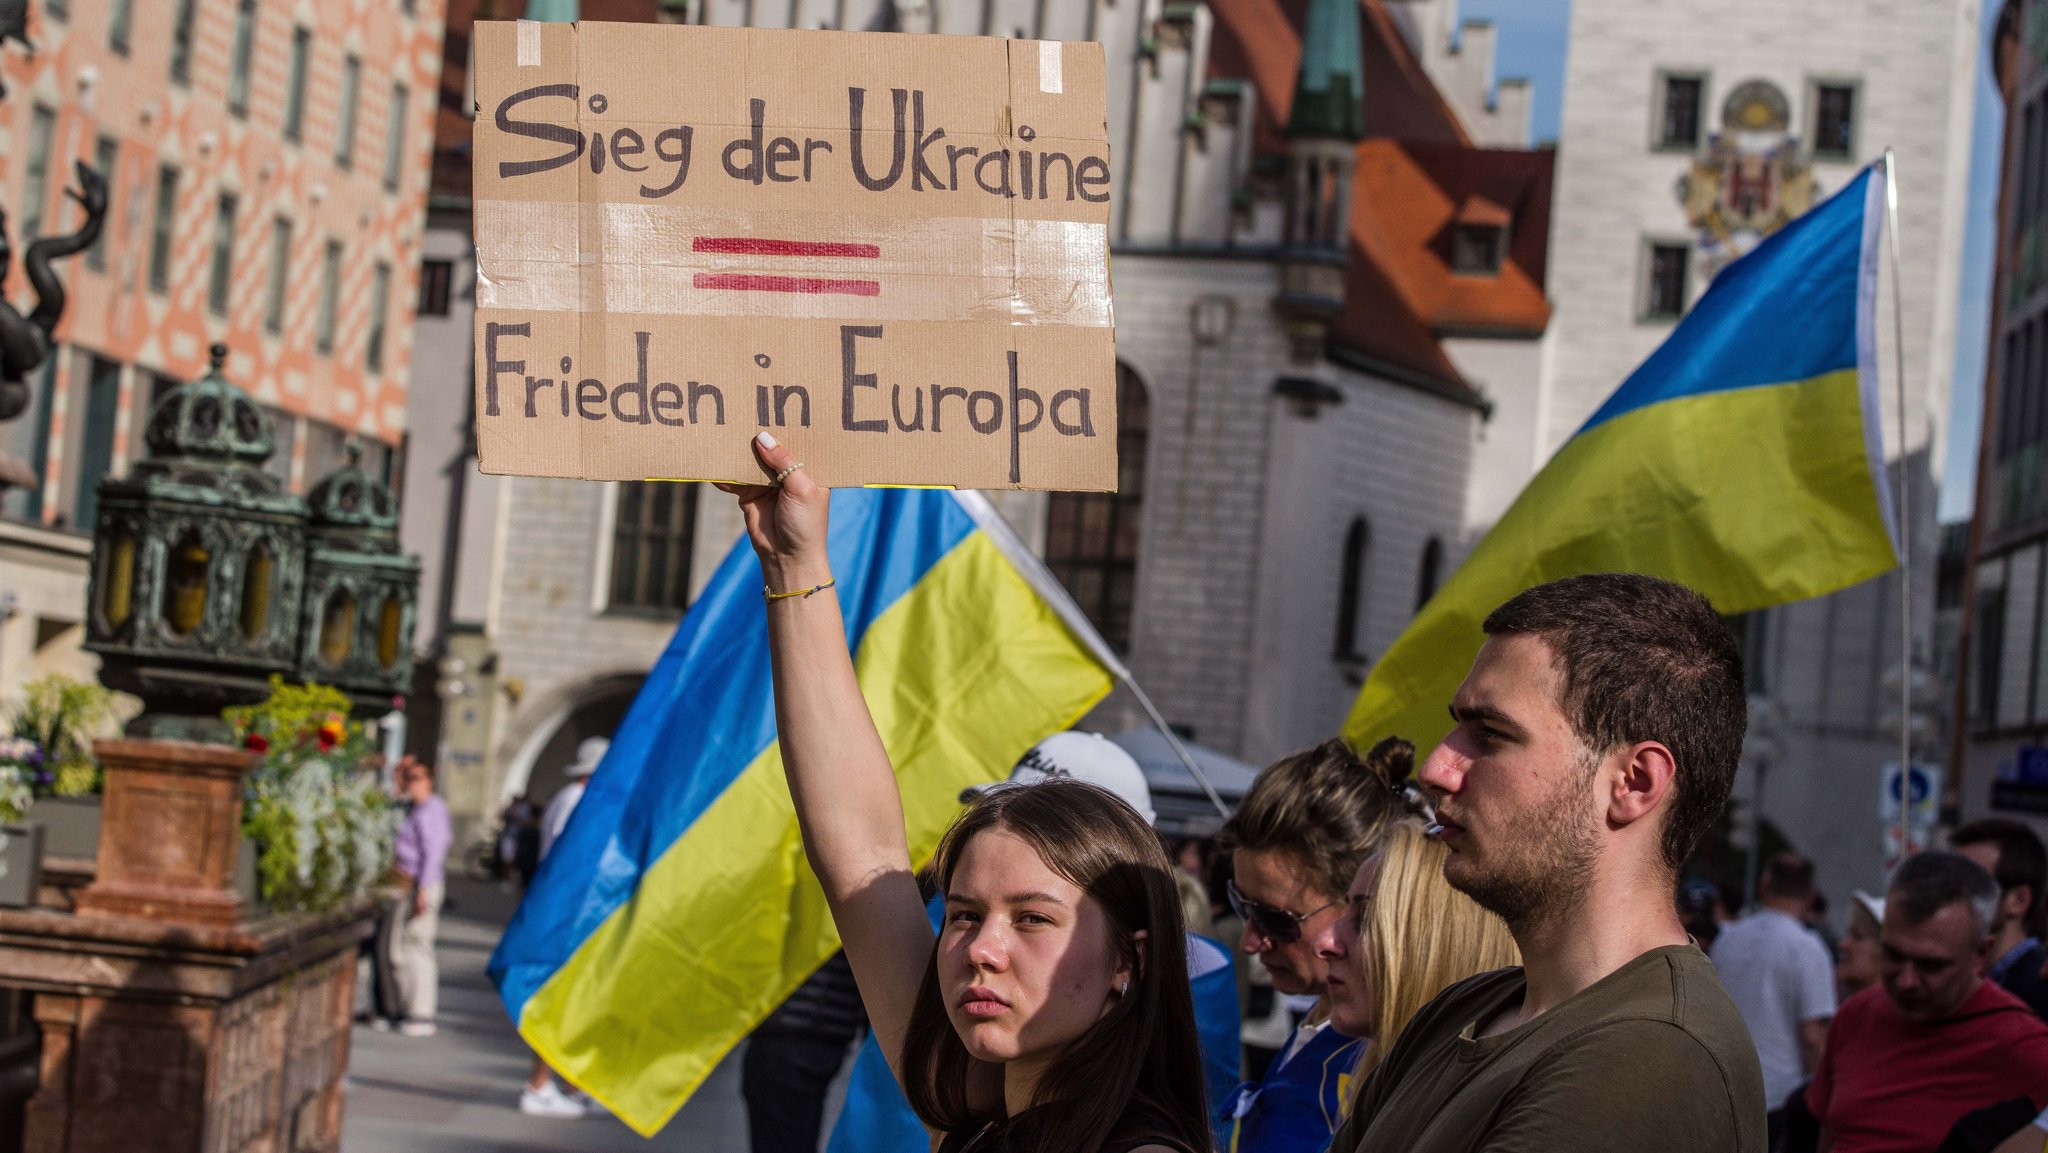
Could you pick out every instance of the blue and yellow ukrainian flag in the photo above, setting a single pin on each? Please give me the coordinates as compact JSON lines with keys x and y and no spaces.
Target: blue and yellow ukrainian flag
{"x":676,"y":911}
{"x":1742,"y":458}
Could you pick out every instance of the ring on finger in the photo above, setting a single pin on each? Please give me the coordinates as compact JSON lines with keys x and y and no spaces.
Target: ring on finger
{"x":784,"y":474}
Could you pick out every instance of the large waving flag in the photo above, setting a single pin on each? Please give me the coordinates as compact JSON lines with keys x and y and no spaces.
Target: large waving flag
{"x":1741,"y":458}
{"x":676,"y":911}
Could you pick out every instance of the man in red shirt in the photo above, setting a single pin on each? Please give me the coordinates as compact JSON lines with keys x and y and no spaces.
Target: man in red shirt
{"x":1905,"y":1062}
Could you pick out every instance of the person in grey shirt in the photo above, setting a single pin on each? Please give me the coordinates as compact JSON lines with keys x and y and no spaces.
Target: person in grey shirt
{"x":1777,"y":972}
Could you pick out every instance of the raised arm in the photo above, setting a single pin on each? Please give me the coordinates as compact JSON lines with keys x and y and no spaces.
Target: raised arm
{"x":839,"y":774}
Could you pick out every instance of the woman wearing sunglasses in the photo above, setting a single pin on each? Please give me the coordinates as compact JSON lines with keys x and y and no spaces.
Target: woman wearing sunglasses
{"x":1297,"y":840}
{"x":1052,"y":1014}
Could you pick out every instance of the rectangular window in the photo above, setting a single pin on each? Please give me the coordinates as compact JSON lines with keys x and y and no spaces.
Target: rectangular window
{"x":280,"y":274}
{"x":119,"y":23}
{"x":1678,"y":111}
{"x":220,"y":276}
{"x":96,"y":438}
{"x":106,"y":159}
{"x":436,"y":279}
{"x":181,"y":41}
{"x":2029,"y":175}
{"x":330,"y":296}
{"x":652,"y":535}
{"x":394,"y":137}
{"x":1664,"y":276}
{"x":1476,"y":249}
{"x":1834,"y":121}
{"x":162,"y":229}
{"x":35,"y":185}
{"x":380,"y":303}
{"x":295,"y":84}
{"x":245,"y":51}
{"x":345,"y":123}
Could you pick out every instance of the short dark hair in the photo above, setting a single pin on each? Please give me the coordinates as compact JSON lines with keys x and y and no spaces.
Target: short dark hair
{"x":1926,"y":883}
{"x":1645,"y":659}
{"x":2021,"y":860}
{"x":1788,"y":875}
{"x":1325,"y":807}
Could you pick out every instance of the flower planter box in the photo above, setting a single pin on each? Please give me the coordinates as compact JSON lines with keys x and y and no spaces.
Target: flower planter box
{"x":71,"y":826}
{"x":21,"y":864}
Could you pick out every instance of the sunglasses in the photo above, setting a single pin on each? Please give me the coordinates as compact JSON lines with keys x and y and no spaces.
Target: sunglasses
{"x":1280,"y":926}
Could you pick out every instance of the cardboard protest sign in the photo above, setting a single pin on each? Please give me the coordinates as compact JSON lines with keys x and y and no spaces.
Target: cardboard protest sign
{"x":889,"y":250}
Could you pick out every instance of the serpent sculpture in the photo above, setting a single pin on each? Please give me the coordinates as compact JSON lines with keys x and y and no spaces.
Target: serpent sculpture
{"x":25,"y":341}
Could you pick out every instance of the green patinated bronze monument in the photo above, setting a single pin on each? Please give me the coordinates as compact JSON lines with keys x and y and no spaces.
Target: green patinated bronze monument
{"x":208,"y":577}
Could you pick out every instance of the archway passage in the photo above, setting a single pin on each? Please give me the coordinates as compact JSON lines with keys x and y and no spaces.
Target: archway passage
{"x":596,"y":715}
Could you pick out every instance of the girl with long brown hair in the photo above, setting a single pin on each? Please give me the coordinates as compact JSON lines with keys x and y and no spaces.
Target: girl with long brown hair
{"x":1052,"y":1014}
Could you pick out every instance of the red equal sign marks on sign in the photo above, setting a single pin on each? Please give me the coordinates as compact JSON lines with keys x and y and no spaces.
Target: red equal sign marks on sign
{"x":761,"y":246}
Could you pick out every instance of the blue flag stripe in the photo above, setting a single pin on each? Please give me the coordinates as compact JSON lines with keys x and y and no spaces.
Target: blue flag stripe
{"x":1733,"y":339}
{"x":641,"y":800}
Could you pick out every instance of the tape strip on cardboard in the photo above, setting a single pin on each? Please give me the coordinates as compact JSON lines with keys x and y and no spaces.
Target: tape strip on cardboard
{"x":1049,"y":77}
{"x":529,"y":43}
{"x":658,"y":260}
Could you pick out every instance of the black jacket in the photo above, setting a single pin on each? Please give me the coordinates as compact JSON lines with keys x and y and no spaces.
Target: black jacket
{"x":826,"y":1007}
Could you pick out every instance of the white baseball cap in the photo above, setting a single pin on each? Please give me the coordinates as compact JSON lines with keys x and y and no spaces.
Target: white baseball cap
{"x":589,"y":755}
{"x":1088,"y":757}
{"x":1872,"y":905}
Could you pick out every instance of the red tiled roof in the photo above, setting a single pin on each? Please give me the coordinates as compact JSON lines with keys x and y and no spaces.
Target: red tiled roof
{"x":1417,"y":174}
{"x":1405,"y":199}
{"x":1260,"y":41}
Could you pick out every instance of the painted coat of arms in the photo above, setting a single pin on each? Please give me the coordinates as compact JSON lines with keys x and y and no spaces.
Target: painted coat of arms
{"x":1751,"y":179}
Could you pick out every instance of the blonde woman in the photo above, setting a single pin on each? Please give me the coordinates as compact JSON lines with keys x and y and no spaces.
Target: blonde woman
{"x":1405,"y":936}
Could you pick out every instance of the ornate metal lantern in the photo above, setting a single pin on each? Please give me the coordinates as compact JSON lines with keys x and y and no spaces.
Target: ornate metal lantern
{"x":361,"y":593}
{"x":208,"y":577}
{"x":198,"y":557}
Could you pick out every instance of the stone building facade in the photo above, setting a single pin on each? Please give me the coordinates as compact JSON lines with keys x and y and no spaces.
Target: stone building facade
{"x":1688,"y":129}
{"x":2001,"y":740}
{"x":1330,"y":267}
{"x":266,"y":163}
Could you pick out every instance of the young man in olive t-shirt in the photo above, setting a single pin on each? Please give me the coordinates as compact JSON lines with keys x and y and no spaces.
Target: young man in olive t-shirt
{"x":1596,"y":739}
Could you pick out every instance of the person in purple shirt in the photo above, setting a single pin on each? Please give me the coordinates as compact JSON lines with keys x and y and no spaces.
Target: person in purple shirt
{"x":421,"y":865}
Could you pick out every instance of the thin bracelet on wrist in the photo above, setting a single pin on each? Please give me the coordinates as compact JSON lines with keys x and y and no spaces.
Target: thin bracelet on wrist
{"x":771,"y":595}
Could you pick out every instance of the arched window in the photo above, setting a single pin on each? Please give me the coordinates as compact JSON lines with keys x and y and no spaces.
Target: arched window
{"x":1432,"y":572}
{"x":1356,"y":539}
{"x":1091,"y":538}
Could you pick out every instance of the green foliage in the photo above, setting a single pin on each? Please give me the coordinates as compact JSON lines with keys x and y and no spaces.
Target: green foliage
{"x":63,"y":717}
{"x":314,"y":805}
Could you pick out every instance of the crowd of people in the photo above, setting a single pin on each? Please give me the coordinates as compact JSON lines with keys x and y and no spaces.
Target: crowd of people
{"x":1480,"y":951}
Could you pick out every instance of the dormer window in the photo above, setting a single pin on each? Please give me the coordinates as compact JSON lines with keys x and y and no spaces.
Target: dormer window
{"x":1477,"y":249}
{"x":1479,"y":237}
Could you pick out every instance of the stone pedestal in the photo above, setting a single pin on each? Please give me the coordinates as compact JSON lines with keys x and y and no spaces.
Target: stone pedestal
{"x":170,"y":828}
{"x":170,"y":1039}
{"x":171,"y":1020}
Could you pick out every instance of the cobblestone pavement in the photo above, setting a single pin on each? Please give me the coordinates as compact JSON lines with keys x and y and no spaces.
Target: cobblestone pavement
{"x":458,"y":1092}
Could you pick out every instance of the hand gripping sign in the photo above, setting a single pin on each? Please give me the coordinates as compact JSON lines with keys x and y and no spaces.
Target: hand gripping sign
{"x":890,"y":250}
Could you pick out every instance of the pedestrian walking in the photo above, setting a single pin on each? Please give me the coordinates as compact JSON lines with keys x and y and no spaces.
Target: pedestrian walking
{"x":1406,"y":935}
{"x":1296,"y":842}
{"x":1595,"y":741}
{"x":2013,"y":854}
{"x":542,"y":1095}
{"x":1778,"y":973}
{"x":1906,"y":1062}
{"x":421,"y":864}
{"x":1052,"y":1013}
